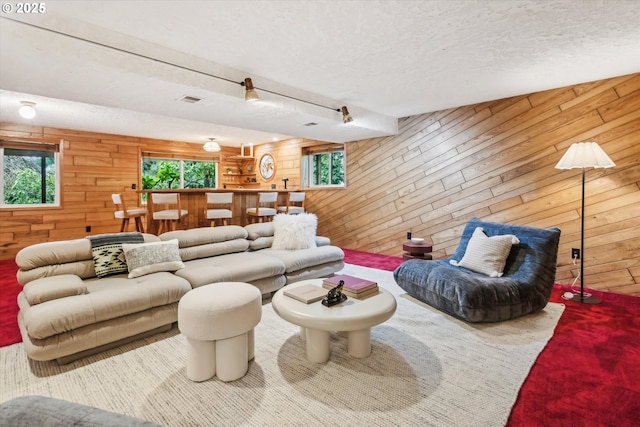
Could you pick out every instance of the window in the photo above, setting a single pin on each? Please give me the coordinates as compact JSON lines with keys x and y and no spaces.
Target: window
{"x":323,"y":166}
{"x":30,"y":174}
{"x":175,"y":173}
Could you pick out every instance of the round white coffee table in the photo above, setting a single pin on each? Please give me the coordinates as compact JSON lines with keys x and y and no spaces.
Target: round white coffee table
{"x":316,"y":321}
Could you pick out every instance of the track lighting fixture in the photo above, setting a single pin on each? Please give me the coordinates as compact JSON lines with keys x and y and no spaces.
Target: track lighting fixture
{"x":211,"y":146}
{"x":346,"y":117}
{"x":27,"y":110}
{"x":250,"y":93}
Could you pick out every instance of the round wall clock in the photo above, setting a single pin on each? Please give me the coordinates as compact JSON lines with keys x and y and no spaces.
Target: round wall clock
{"x":267,"y":167}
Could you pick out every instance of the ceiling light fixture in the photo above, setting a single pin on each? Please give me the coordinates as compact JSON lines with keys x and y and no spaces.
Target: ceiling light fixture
{"x":250,"y":94}
{"x":27,"y":110}
{"x":212,"y":146}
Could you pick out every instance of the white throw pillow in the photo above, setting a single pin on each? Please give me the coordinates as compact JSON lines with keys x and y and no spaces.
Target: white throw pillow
{"x":147,"y":258}
{"x":486,"y":255}
{"x":291,"y":232}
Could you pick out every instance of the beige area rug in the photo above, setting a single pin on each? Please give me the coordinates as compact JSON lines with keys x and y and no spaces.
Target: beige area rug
{"x":425,"y":369}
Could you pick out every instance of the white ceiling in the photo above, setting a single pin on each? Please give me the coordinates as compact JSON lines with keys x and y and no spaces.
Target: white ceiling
{"x":382,"y":59}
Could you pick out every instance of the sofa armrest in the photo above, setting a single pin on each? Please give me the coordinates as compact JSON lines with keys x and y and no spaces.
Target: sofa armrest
{"x":54,"y":287}
{"x":323,"y":241}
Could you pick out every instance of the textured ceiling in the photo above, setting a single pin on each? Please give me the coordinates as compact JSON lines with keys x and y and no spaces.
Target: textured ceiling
{"x":382,"y":59}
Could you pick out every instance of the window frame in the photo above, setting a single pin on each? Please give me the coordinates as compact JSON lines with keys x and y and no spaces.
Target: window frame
{"x":306,"y":162}
{"x":181,"y":159}
{"x":36,"y":145}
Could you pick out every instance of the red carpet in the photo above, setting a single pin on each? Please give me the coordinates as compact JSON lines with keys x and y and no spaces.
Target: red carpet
{"x":589,"y":372}
{"x":9,"y":290}
{"x":365,"y":259}
{"x":588,"y":375}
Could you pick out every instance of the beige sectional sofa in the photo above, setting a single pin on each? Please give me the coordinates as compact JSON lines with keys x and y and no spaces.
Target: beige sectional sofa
{"x":66,"y":312}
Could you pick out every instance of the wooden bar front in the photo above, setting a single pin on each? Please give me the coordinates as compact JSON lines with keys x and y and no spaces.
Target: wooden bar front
{"x":194,"y":201}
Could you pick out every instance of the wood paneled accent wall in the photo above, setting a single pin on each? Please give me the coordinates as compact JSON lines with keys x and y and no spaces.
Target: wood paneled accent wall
{"x":496,"y":161}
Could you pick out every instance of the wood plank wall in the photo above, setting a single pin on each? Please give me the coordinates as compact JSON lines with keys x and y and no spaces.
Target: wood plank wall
{"x":493,"y":160}
{"x":496,"y":161}
{"x":93,"y":167}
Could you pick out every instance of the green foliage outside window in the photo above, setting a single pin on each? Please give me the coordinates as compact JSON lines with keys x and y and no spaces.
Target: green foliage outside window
{"x":337,"y":168}
{"x":327,"y":169}
{"x":158,"y":174}
{"x":29,"y":177}
{"x":199,"y":174}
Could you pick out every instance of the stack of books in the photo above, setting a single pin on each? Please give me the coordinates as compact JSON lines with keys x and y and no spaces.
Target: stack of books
{"x":353,"y":287}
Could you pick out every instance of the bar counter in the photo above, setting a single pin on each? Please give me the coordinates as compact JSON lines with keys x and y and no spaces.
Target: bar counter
{"x":195,"y":201}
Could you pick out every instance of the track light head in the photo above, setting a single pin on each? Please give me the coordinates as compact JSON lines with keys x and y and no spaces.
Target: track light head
{"x":27,"y":110}
{"x":346,"y":117}
{"x":250,"y":94}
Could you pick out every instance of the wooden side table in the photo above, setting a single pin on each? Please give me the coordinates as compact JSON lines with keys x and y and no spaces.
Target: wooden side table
{"x":416,"y":250}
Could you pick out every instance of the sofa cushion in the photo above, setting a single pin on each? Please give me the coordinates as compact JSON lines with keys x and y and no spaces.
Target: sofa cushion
{"x":106,"y":250}
{"x":260,"y":243}
{"x":50,"y":288}
{"x":146,"y":258}
{"x":294,"y":232}
{"x":236,"y":267}
{"x":486,"y":255}
{"x":108,"y":298}
{"x":305,"y":258}
{"x":260,"y":229}
{"x":209,"y":241}
{"x":61,"y":257}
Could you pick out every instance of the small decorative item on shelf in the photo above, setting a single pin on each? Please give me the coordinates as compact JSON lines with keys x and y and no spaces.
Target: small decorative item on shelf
{"x":229,"y":171}
{"x":335,"y":296}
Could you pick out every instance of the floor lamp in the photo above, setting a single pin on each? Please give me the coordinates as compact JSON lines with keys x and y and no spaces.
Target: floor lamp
{"x":583,"y":155}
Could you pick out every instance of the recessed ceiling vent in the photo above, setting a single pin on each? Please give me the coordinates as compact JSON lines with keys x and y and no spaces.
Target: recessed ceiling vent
{"x":311,"y":124}
{"x":190,"y":99}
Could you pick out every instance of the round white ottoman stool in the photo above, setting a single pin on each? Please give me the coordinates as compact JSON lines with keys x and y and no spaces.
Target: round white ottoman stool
{"x":218,"y":322}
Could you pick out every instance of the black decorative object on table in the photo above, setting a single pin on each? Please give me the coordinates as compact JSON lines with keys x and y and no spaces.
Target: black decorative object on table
{"x":335,"y":295}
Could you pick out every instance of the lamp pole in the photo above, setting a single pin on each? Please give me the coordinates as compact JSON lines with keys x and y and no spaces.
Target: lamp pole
{"x":589,"y":299}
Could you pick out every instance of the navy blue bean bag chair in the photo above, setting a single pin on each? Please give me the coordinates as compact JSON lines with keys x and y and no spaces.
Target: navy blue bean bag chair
{"x":464,"y":287}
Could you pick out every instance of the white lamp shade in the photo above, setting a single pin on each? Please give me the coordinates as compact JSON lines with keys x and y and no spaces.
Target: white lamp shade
{"x":585,"y":155}
{"x":211,"y":146}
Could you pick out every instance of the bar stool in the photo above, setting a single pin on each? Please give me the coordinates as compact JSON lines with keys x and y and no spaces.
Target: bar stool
{"x":124,"y":213}
{"x":261,"y":213}
{"x":216,"y":214}
{"x":295,"y":204}
{"x":172,"y":213}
